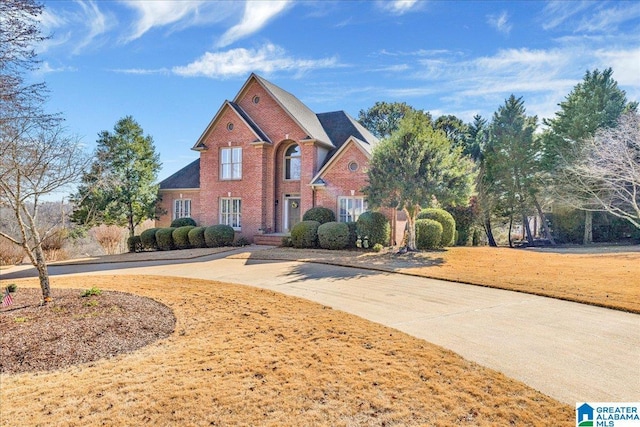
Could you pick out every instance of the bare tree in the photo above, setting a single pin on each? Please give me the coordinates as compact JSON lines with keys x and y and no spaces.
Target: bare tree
{"x":607,"y":176}
{"x":36,"y":157}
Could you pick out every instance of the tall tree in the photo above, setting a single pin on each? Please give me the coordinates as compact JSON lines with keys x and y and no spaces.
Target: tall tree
{"x":36,"y":156}
{"x":415,"y":165}
{"x":594,"y":103}
{"x":606,"y":175}
{"x":383,"y":118}
{"x":120,"y":187}
{"x":454,"y":129}
{"x":478,"y":136}
{"x":510,"y":161}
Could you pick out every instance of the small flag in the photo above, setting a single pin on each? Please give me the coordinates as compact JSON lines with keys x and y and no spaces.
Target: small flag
{"x":7,"y":299}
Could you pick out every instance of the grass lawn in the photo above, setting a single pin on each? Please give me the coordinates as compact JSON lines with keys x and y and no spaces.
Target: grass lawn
{"x":604,"y":279}
{"x":245,"y":356}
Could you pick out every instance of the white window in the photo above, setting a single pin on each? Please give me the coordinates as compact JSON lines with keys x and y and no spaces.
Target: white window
{"x":181,"y":208}
{"x":292,"y":163}
{"x":350,"y":208}
{"x":230,"y":212}
{"x":231,"y":163}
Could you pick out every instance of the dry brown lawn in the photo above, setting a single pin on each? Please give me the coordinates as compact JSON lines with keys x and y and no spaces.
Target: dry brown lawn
{"x":245,"y":356}
{"x":605,"y":279}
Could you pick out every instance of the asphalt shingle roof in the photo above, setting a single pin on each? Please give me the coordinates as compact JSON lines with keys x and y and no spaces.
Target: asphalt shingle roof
{"x":187,"y":177}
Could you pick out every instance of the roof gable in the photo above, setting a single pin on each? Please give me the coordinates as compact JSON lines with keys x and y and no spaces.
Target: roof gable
{"x":363,"y":146}
{"x":296,"y":109}
{"x":242,"y":115}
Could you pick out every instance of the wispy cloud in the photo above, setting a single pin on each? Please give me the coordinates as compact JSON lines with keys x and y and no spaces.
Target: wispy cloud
{"x":588,"y":16}
{"x":256,"y":15}
{"x":96,"y":22}
{"x":398,"y":7}
{"x":238,"y":62}
{"x":46,"y":68}
{"x":609,"y":19}
{"x":556,"y":13}
{"x":500,"y":22}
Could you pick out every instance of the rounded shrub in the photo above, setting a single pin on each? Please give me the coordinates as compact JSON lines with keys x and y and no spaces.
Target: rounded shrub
{"x":333,"y":235}
{"x":320,"y":214}
{"x":164,"y":238}
{"x":305,"y":234}
{"x":181,"y":222}
{"x":219,"y":235}
{"x":134,"y":244}
{"x":286,"y":242}
{"x":428,"y":234}
{"x":196,"y":237}
{"x":444,"y":218}
{"x":353,"y":234}
{"x":181,"y":236}
{"x":148,"y":239}
{"x":373,"y":227}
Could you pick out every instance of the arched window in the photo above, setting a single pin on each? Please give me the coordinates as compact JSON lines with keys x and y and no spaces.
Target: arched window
{"x":292,"y":163}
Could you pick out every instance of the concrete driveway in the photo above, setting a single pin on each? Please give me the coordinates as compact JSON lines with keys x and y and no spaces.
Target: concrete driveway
{"x":572,"y":352}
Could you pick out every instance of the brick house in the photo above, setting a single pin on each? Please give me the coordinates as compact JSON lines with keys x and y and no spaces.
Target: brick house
{"x":265,"y":159}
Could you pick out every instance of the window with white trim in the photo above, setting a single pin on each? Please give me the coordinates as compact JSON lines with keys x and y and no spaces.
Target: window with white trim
{"x":231,"y":163}
{"x":181,"y":208}
{"x":292,"y":164}
{"x":350,"y":208}
{"x":231,"y":212}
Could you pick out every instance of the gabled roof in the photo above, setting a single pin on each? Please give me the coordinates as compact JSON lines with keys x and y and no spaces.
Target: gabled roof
{"x":187,"y":177}
{"x":362,"y":145}
{"x":340,"y":126}
{"x":260,"y":135}
{"x":298,"y":111}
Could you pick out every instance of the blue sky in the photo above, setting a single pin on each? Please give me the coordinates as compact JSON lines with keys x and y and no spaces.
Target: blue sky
{"x":171,"y":64}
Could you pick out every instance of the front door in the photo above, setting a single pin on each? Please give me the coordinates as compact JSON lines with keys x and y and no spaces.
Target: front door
{"x":291,"y":213}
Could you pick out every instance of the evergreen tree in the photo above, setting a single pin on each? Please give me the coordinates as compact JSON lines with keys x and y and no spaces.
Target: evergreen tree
{"x":384,"y":117}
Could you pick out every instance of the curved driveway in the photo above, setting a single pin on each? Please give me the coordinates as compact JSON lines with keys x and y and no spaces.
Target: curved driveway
{"x":572,"y":352}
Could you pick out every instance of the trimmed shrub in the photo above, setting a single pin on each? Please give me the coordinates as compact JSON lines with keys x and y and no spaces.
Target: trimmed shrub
{"x":182,"y":222}
{"x":445,"y":219}
{"x":428,"y":234}
{"x":134,"y":244}
{"x":353,"y":234}
{"x":181,"y":237}
{"x":286,"y":242}
{"x":377,"y":247}
{"x":305,"y":234}
{"x":320,"y":214}
{"x":196,"y":237}
{"x":241,"y":242}
{"x":164,"y":238}
{"x":333,"y":235}
{"x":219,"y":235}
{"x":375,"y":227}
{"x":148,"y":239}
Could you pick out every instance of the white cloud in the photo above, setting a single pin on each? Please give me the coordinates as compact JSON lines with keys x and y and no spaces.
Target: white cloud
{"x":256,"y":15}
{"x":608,"y":19}
{"x":237,"y":62}
{"x":500,"y":22}
{"x":46,"y":68}
{"x":625,"y":65}
{"x":398,"y":7}
{"x":557,"y":12}
{"x":96,"y":23}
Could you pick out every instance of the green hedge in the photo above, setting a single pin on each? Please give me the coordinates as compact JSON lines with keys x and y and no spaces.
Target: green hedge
{"x":181,"y":237}
{"x":182,"y":222}
{"x":196,"y":237}
{"x":445,"y":219}
{"x":219,"y":235}
{"x":428,"y":234}
{"x":333,"y":235}
{"x":164,"y":238}
{"x":375,"y":227}
{"x":134,"y":244}
{"x":148,"y":239}
{"x":305,"y":234}
{"x":353,"y":234}
{"x":320,"y":214}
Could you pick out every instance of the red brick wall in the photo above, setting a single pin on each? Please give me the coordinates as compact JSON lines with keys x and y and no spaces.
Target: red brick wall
{"x":168,"y":196}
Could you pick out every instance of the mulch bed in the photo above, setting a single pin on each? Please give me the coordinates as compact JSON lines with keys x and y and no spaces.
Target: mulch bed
{"x":73,"y":329}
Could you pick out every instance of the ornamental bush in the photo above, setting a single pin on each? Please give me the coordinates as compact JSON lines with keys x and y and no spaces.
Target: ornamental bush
{"x":444,"y":218}
{"x":375,"y":227}
{"x":320,"y":214}
{"x":164,"y":238}
{"x":353,"y":234}
{"x":196,"y":237}
{"x":181,"y":222}
{"x":181,"y":237}
{"x":305,"y":234}
{"x":148,"y":239}
{"x":134,"y":244}
{"x":428,"y":234}
{"x":219,"y":235}
{"x":333,"y":235}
